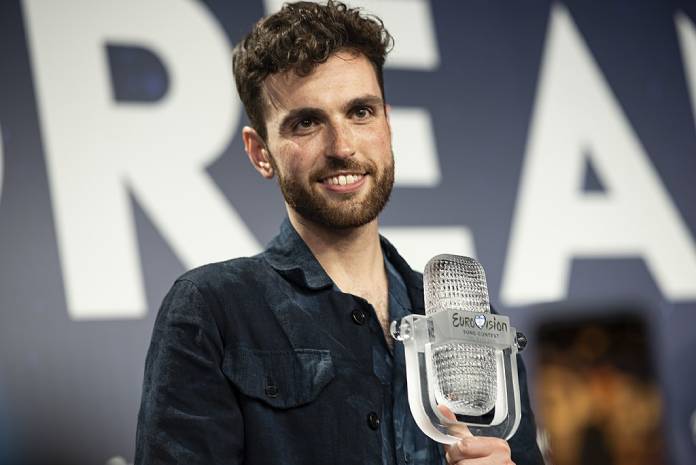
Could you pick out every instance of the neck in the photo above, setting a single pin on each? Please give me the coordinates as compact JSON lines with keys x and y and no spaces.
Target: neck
{"x":352,"y":257}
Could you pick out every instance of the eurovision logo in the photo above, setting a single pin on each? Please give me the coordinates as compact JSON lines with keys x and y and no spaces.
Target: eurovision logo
{"x":480,"y":321}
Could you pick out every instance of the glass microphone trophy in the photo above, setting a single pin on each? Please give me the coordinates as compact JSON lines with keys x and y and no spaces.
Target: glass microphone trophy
{"x":460,"y":355}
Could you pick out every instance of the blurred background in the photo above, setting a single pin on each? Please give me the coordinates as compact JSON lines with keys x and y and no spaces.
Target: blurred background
{"x":554,"y":141}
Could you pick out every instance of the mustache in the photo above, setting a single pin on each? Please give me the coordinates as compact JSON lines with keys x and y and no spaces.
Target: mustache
{"x":343,"y":164}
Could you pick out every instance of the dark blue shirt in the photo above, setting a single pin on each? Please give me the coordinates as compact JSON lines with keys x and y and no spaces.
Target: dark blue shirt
{"x":263,"y":360}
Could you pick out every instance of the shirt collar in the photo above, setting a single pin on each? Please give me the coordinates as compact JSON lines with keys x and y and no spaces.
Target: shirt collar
{"x":288,"y":254}
{"x":291,"y":257}
{"x":412,"y":279}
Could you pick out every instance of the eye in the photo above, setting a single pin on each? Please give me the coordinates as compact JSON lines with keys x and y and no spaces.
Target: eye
{"x":363,"y":112}
{"x":304,"y":125}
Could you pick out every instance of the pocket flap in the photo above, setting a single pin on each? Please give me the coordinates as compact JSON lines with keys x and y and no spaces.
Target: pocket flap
{"x":282,"y":379}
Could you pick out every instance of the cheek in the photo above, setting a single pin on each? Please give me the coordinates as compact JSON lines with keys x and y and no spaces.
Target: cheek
{"x":377,"y":136}
{"x":294,"y":158}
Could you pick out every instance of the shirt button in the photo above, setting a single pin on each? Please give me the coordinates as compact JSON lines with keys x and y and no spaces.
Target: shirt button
{"x":271,"y":388}
{"x":359,"y":317}
{"x":373,"y":420}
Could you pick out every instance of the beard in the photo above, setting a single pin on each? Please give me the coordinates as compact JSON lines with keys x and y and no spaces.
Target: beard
{"x":348,"y":211}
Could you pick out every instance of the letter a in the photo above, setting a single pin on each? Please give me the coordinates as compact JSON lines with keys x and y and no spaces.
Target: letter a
{"x":577,"y":118}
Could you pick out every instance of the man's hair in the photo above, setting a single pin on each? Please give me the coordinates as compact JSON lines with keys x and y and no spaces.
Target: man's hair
{"x":298,"y":38}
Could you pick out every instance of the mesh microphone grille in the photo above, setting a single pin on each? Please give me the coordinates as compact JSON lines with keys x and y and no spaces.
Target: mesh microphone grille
{"x":465,"y":373}
{"x":451,"y":281}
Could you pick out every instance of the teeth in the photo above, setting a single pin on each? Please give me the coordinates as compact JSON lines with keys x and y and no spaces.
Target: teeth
{"x":343,"y":179}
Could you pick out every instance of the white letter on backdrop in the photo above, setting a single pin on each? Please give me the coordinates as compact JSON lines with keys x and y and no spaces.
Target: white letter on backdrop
{"x":98,"y":149}
{"x":577,"y":119}
{"x":687,"y":41}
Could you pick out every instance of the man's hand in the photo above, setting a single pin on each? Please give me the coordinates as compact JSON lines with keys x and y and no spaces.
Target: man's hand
{"x":474,"y":450}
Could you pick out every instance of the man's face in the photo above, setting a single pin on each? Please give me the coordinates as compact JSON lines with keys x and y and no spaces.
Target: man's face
{"x":329,"y":141}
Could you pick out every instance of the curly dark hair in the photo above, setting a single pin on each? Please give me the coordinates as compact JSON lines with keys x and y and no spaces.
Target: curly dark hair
{"x":299,"y":37}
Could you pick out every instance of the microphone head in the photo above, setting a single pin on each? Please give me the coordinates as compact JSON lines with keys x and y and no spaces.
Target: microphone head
{"x":455,"y":282}
{"x":466,"y":374}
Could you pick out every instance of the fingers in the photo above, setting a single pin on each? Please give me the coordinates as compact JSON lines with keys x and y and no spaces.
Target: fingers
{"x":447,"y":413}
{"x":459,"y":430}
{"x":483,"y":461}
{"x":471,"y":449}
{"x":482,"y":446}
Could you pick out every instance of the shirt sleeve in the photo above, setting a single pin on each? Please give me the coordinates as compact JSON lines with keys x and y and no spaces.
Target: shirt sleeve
{"x":189,"y":412}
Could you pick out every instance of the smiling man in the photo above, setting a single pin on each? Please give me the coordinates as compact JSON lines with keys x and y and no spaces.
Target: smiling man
{"x":285,"y":357}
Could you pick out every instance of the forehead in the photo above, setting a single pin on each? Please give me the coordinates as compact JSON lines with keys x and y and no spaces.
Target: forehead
{"x":344,"y":76}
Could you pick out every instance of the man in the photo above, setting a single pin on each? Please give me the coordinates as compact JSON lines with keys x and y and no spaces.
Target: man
{"x":285,"y":357}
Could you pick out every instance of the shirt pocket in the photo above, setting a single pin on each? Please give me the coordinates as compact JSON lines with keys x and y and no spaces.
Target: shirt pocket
{"x":281,"y":379}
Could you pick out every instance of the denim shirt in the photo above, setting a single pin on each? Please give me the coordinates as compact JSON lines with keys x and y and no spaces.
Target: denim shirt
{"x":264,"y":360}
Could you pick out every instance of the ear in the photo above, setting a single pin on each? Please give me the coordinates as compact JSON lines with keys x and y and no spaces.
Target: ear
{"x":257,"y":152}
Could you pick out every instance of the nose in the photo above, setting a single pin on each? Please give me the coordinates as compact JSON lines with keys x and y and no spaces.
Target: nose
{"x":342,"y":142}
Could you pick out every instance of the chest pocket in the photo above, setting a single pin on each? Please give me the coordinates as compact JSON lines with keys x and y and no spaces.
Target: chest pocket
{"x":282,"y":379}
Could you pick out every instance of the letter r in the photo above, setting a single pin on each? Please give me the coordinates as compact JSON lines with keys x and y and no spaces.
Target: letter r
{"x":98,"y":150}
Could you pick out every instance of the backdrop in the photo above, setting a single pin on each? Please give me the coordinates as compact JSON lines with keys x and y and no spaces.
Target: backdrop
{"x":554,"y":141}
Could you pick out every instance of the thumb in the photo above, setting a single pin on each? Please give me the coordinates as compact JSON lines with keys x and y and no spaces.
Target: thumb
{"x":459,"y":430}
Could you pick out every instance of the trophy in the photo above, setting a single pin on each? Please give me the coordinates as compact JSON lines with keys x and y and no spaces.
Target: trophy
{"x":460,"y":355}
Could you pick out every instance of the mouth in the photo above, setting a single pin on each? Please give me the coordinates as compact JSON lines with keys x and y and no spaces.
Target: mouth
{"x":344,"y":182}
{"x":343,"y":179}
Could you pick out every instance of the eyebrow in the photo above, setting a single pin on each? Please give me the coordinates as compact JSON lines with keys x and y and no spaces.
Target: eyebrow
{"x":368,"y":100}
{"x":312,"y":112}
